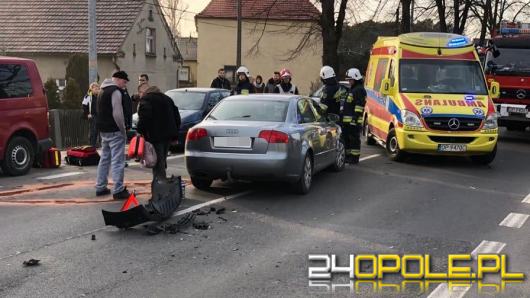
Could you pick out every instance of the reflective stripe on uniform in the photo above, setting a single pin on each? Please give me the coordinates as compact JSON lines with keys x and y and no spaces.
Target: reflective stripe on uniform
{"x":347,"y":119}
{"x":349,"y":99}
{"x":360,"y":120}
{"x":353,"y":152}
{"x":359,"y":109}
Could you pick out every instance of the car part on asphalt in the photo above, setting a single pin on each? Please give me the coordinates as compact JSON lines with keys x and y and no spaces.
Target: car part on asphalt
{"x":31,"y":262}
{"x":165,"y":199}
{"x":201,"y":225}
{"x":93,"y":237}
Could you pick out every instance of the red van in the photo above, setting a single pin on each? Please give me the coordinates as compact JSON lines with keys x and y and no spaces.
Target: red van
{"x":23,"y":115}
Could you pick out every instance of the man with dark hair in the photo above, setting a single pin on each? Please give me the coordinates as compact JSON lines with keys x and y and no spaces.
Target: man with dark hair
{"x":221,"y":82}
{"x":273,"y":82}
{"x":112,"y":127}
{"x":143,"y":84}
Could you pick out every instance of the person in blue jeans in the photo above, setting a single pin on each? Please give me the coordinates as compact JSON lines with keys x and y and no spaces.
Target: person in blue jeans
{"x":111,"y":125}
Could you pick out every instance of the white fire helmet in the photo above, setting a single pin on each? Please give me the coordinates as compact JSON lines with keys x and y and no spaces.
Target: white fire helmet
{"x":354,"y":74}
{"x":327,"y":72}
{"x":244,"y":70}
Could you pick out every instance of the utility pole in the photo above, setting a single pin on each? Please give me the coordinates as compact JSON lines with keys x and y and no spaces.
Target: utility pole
{"x":238,"y":57}
{"x":92,"y":42}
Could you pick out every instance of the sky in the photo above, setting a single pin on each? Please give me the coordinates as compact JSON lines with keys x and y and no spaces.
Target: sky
{"x":188,"y":23}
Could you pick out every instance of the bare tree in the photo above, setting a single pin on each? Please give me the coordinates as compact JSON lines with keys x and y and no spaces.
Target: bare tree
{"x":406,"y":16}
{"x":174,"y":11}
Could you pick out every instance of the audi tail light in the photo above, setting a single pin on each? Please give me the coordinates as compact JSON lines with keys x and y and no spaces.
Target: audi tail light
{"x":274,"y":136}
{"x":196,"y":134}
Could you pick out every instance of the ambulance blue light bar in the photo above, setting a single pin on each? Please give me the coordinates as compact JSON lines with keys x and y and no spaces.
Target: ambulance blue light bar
{"x":458,"y":42}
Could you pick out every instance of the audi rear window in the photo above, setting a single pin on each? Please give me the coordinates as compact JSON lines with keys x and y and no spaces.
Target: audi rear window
{"x":251,"y":110}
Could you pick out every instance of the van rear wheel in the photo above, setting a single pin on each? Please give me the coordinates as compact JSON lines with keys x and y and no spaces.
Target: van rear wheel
{"x":367,"y":135}
{"x":18,"y":157}
{"x":392,"y":147}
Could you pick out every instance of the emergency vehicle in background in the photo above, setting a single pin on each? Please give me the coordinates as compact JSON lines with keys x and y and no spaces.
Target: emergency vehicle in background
{"x":427,"y":94}
{"x":507,"y":62}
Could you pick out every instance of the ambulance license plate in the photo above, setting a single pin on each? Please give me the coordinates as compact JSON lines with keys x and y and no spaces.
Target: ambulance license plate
{"x":515,"y":110}
{"x":452,"y":147}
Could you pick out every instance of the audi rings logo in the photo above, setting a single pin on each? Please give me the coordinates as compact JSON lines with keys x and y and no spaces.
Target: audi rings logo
{"x":453,"y":123}
{"x":521,"y":94}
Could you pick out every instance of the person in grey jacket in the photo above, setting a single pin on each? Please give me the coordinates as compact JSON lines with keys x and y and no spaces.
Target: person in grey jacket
{"x":111,"y":124}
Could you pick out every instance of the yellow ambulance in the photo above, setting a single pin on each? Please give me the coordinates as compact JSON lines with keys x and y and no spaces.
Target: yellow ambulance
{"x":427,"y":94}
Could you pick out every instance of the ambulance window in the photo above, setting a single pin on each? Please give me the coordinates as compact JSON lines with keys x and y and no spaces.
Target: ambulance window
{"x":369,"y":82}
{"x":391,"y":73}
{"x":380,"y":73}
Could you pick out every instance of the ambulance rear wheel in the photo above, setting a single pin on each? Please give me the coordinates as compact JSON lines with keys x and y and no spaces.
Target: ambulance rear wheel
{"x":484,"y":159}
{"x":367,"y":135}
{"x":392,"y":147}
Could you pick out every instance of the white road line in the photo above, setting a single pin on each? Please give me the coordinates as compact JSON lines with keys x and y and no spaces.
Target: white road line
{"x":369,"y":157}
{"x":60,"y":175}
{"x":514,"y":220}
{"x":527,"y":199}
{"x":443,"y":290}
{"x":212,"y":202}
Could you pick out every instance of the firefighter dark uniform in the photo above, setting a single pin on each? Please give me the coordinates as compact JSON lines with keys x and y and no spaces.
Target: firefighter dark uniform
{"x":353,"y":118}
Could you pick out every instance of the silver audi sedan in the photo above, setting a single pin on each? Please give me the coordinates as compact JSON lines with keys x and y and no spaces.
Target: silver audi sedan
{"x":263,"y":138}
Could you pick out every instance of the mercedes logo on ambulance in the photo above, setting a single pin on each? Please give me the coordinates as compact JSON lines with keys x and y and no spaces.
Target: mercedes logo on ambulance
{"x":453,"y":123}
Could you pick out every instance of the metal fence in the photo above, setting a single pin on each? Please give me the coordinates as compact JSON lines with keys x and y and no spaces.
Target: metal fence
{"x":68,"y":128}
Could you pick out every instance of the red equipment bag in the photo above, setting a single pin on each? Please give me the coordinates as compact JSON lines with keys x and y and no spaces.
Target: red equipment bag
{"x":50,"y":158}
{"x":82,"y":156}
{"x":136,"y":147}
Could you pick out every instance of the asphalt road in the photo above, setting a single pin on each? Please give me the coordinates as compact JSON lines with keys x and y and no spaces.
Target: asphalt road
{"x":259,"y":247}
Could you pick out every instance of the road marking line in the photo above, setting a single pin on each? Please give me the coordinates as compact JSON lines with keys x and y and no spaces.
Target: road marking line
{"x":369,"y":157}
{"x":212,"y":202}
{"x":60,"y":175}
{"x":514,"y":220}
{"x":443,"y":290}
{"x":527,"y":199}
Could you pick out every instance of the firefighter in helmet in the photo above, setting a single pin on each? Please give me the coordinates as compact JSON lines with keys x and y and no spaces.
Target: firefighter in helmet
{"x":333,"y":95}
{"x":244,"y":86}
{"x":353,"y":115}
{"x":286,"y":86}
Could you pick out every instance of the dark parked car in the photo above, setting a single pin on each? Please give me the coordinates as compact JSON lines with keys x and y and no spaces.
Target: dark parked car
{"x":317,"y":94}
{"x":194,"y":104}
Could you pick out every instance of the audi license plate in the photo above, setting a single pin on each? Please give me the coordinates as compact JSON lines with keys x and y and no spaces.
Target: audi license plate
{"x":516,"y":110}
{"x":452,"y":148}
{"x":232,"y":142}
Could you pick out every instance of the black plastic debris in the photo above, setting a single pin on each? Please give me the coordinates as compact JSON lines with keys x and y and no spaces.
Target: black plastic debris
{"x":201,"y":212}
{"x":171,"y":228}
{"x":212,"y":209}
{"x":31,"y":262}
{"x":201,"y":225}
{"x":165,"y":199}
{"x":93,"y":237}
{"x":220,"y":210}
{"x":222,"y":218}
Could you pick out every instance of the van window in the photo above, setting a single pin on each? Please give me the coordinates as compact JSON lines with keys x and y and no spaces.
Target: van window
{"x":14,"y":81}
{"x":441,"y":76}
{"x":380,"y":73}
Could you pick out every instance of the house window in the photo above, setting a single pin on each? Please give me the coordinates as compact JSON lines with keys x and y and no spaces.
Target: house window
{"x":184,"y":74}
{"x":150,"y":41}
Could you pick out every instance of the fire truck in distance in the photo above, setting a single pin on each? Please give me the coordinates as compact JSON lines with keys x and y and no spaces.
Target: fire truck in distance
{"x":507,"y":61}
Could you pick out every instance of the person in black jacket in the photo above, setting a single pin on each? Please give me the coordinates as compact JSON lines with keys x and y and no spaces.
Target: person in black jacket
{"x":158,"y":122}
{"x":244,"y":86}
{"x":90,"y":107}
{"x":221,"y":82}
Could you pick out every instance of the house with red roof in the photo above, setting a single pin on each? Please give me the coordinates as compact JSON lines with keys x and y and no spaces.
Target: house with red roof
{"x":132,"y":35}
{"x":275,"y":35}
